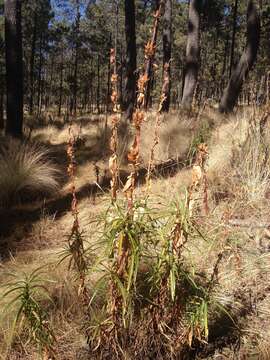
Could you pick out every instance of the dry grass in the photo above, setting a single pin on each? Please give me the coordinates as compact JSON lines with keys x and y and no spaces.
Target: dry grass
{"x":26,"y":173}
{"x":238,"y":187}
{"x":64,"y":312}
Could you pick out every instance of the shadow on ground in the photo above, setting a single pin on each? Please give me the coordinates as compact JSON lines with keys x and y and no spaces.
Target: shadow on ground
{"x":26,"y":217}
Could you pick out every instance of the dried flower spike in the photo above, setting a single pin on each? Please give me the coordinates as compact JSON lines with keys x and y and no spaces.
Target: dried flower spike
{"x":113,"y":161}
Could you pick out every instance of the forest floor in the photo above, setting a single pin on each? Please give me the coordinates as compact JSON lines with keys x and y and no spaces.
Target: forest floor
{"x":238,"y":223}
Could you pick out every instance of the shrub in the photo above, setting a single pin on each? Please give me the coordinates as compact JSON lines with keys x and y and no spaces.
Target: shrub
{"x":26,"y":173}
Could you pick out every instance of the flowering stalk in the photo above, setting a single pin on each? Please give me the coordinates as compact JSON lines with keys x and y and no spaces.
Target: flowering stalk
{"x":113,"y":161}
{"x":138,"y":115}
{"x":157,"y":125}
{"x":120,"y":267}
{"x":149,"y":51}
{"x":199,"y":178}
{"x":75,"y":239}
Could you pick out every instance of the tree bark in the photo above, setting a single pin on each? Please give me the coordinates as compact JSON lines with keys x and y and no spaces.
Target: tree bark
{"x":224,"y":66}
{"x":2,"y":92}
{"x":192,"y":53}
{"x":248,"y":58}
{"x":77,"y":46}
{"x":40,"y":66}
{"x":98,"y":83}
{"x":1,"y":108}
{"x":167,"y":51}
{"x":108,"y":93}
{"x":32,"y":64}
{"x":14,"y":67}
{"x":61,"y":84}
{"x":120,"y":72}
{"x":233,"y":37}
{"x":131,"y":56}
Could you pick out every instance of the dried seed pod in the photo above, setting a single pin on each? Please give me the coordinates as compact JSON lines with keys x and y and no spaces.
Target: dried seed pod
{"x":196,"y":175}
{"x":133,"y":153}
{"x":113,"y":163}
{"x":112,"y":56}
{"x":137,"y":118}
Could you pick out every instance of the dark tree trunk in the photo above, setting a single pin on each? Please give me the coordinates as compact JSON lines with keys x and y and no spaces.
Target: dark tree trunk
{"x":39,"y":75}
{"x":233,"y":37}
{"x":117,"y":57}
{"x":192,"y":53}
{"x":224,"y":66}
{"x":50,"y":85}
{"x":2,"y":92}
{"x":167,"y":50}
{"x":120,"y":72}
{"x":14,"y":67}
{"x":85,"y":98}
{"x":239,"y":74}
{"x":1,"y":108}
{"x":108,"y":95}
{"x":131,"y":56}
{"x":32,"y":65}
{"x":98,"y":84}
{"x":75,"y":84}
{"x":42,"y":93}
{"x":77,"y":46}
{"x":61,"y":84}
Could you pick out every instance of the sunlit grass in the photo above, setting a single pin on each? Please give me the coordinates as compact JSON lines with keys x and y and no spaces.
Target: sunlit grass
{"x":26,"y":173}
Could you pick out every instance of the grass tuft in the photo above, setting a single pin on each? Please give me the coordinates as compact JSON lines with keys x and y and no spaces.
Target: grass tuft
{"x":26,"y":172}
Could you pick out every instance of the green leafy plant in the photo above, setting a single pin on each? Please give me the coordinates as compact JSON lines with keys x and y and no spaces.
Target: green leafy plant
{"x":122,"y":232}
{"x":23,"y":292}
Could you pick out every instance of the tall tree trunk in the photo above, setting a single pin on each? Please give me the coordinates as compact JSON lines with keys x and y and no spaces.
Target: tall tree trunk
{"x":239,"y":74}
{"x":192,"y":53}
{"x":233,"y":37}
{"x":167,"y":50}
{"x":77,"y":45}
{"x":14,"y":67}
{"x":42,"y":92}
{"x":98,"y":83}
{"x":117,"y":57}
{"x":2,"y":92}
{"x":32,"y":65}
{"x":1,"y":107}
{"x":224,"y":66}
{"x":108,"y":95}
{"x":40,"y":65}
{"x":120,"y":72}
{"x":61,"y":83}
{"x":48,"y":100}
{"x":131,"y":56}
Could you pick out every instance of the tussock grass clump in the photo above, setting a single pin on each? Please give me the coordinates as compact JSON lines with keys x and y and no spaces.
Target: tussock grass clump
{"x":253,"y":167}
{"x":246,"y":176}
{"x":26,"y":173}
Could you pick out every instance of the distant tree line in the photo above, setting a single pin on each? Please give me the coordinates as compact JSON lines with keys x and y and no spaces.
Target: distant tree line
{"x":56,"y":57}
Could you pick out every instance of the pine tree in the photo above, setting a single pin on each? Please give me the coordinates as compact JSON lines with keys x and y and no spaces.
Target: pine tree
{"x":14,"y":67}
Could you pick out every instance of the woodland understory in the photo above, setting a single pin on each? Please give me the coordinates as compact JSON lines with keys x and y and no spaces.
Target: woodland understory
{"x":134,"y":180}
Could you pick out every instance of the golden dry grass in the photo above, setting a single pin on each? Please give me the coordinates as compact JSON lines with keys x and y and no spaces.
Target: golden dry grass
{"x":26,"y":173}
{"x":244,"y":272}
